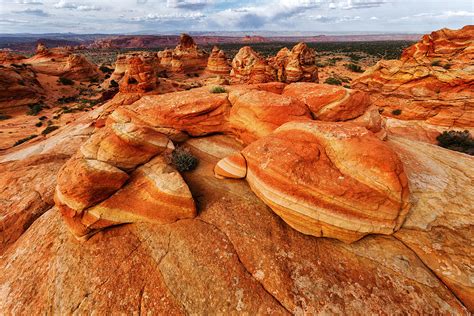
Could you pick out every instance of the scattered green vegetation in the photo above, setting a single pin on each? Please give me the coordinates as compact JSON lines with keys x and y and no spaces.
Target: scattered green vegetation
{"x":63,"y":99}
{"x":106,"y":70}
{"x":42,"y":118}
{"x":39,"y":124}
{"x":218,"y":89}
{"x":21,"y":141}
{"x":397,"y":112}
{"x":333,"y":81}
{"x":436,"y":63}
{"x":183,"y":160}
{"x":35,"y":109}
{"x":458,"y":141}
{"x":49,"y":129}
{"x":447,"y":66}
{"x":354,"y":68}
{"x":113,"y":84}
{"x":65,"y":81}
{"x":4,"y":117}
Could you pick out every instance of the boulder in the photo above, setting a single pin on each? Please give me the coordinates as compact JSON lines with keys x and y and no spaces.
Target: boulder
{"x":329,"y":179}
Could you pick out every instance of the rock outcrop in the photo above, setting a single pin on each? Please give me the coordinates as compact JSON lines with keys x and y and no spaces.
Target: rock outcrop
{"x":218,"y":63}
{"x":186,"y":57}
{"x":62,"y":62}
{"x":19,"y":87}
{"x":433,"y":80}
{"x":249,"y":67}
{"x":136,"y":73}
{"x":242,"y":255}
{"x":328,"y":179}
{"x":299,"y":64}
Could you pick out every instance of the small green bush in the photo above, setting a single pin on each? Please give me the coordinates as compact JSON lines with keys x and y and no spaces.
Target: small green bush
{"x":35,"y":109}
{"x":218,"y":90}
{"x":333,"y":81}
{"x":458,"y":141}
{"x":447,"y":66}
{"x":39,"y":124}
{"x":113,"y":84}
{"x":106,"y":70}
{"x":397,"y":112}
{"x":183,"y":160}
{"x":65,"y":81}
{"x":436,"y":63}
{"x":42,"y":118}
{"x":21,"y":141}
{"x":49,"y":129}
{"x":354,"y":68}
{"x":4,"y":117}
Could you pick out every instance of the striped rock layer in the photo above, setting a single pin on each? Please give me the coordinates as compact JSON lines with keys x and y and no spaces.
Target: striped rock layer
{"x":119,"y":176}
{"x":101,"y":185}
{"x":299,"y":64}
{"x":433,"y":81}
{"x":326,"y":179}
{"x":217,"y":62}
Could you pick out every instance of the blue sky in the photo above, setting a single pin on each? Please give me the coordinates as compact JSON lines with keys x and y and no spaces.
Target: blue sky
{"x":166,"y":16}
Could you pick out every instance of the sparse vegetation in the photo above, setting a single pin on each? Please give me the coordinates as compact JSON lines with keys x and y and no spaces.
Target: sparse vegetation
{"x":183,"y":160}
{"x":447,"y":66}
{"x":106,"y":70}
{"x":49,"y":129}
{"x":39,"y":124}
{"x":397,"y":112}
{"x":132,"y":80}
{"x":458,"y":141}
{"x":354,"y":68}
{"x":23,"y":140}
{"x":218,"y":89}
{"x":333,"y":81}
{"x":65,"y":81}
{"x":4,"y":117}
{"x":63,"y":100}
{"x":35,"y":109}
{"x":113,"y":84}
{"x":436,"y":63}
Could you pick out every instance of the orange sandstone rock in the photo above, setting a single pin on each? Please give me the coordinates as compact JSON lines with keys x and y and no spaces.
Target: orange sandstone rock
{"x":249,"y":67}
{"x":218,"y":63}
{"x":299,"y":64}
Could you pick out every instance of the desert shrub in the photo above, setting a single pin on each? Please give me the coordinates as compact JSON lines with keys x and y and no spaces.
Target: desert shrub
{"x":49,"y":129}
{"x":333,"y":81}
{"x":397,"y":112}
{"x":447,"y":66}
{"x":106,"y":70}
{"x":113,"y":84}
{"x":320,"y":65}
{"x":21,"y":141}
{"x":42,"y":118}
{"x":354,"y":68}
{"x":183,"y":160}
{"x":457,"y":140}
{"x":436,"y":63}
{"x":218,"y":90}
{"x":35,"y":109}
{"x":65,"y":81}
{"x":63,"y":100}
{"x":4,"y":117}
{"x":39,"y":124}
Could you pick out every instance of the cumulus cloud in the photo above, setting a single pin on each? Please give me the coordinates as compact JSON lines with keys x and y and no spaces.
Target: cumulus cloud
{"x":37,"y":12}
{"x":355,"y":4}
{"x":32,"y":2}
{"x":188,"y":4}
{"x":74,"y":6}
{"x":167,"y":17}
{"x":442,"y":15}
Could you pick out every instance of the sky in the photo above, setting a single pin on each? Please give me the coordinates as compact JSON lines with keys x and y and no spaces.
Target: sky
{"x":173,"y":16}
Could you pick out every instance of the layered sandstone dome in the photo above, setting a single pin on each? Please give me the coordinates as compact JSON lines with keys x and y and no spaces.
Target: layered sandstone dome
{"x":299,"y":64}
{"x":135,"y":133}
{"x":62,"y":62}
{"x":326,"y":179}
{"x":249,"y":67}
{"x":433,"y":81}
{"x":217,"y":62}
{"x":185,"y":57}
{"x":136,"y":72}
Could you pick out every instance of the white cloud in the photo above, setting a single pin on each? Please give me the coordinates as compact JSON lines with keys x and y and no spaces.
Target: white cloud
{"x":32,"y":2}
{"x":73,"y":6}
{"x":37,"y":12}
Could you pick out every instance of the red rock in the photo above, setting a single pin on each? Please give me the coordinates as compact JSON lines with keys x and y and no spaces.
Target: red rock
{"x":299,"y":64}
{"x":249,"y":67}
{"x":218,"y":63}
{"x":186,"y":57}
{"x":431,"y":82}
{"x":329,"y":103}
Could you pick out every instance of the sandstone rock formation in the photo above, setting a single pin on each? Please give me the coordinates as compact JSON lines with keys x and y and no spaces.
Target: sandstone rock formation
{"x":249,"y":67}
{"x":243,"y":256}
{"x":433,"y":80}
{"x":218,"y":63}
{"x":329,"y":103}
{"x":62,"y":62}
{"x":299,"y":64}
{"x":328,"y":179}
{"x":7,"y":57}
{"x":136,"y":73}
{"x":19,"y":87}
{"x":185,"y":57}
